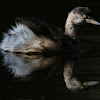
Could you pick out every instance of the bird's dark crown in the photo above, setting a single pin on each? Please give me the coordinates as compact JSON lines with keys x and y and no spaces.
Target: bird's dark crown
{"x":82,"y":11}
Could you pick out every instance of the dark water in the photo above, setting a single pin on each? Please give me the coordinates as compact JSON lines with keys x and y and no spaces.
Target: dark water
{"x":51,"y":77}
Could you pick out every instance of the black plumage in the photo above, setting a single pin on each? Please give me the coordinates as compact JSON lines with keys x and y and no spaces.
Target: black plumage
{"x":41,"y":28}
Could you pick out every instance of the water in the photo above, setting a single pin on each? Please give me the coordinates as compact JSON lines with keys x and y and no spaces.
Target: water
{"x":52,"y":77}
{"x":60,"y":77}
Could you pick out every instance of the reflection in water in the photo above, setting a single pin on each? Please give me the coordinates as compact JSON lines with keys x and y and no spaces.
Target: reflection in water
{"x":72,"y":82}
{"x":21,"y":65}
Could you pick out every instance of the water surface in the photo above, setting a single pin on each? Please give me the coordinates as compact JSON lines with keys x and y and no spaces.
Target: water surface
{"x":52,"y":77}
{"x":46,"y":77}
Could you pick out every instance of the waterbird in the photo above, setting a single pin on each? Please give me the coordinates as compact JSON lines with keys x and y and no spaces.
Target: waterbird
{"x":35,"y":35}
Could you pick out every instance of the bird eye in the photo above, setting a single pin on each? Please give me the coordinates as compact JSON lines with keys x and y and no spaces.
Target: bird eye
{"x":84,"y":16}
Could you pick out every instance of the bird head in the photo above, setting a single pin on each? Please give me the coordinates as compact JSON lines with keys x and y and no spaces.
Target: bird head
{"x":81,"y":14}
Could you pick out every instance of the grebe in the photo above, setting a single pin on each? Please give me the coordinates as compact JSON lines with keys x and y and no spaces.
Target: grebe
{"x":34,"y":35}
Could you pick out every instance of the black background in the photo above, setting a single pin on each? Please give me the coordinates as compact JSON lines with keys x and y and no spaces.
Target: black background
{"x":53,"y":11}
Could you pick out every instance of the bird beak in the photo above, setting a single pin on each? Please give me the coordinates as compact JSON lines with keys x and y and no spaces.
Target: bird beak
{"x":89,"y":83}
{"x":92,"y":21}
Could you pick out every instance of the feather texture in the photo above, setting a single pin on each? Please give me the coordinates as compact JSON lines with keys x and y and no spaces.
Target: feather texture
{"x":31,"y":35}
{"x":17,"y":38}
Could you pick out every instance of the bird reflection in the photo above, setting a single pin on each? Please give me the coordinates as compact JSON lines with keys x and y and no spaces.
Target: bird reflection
{"x":23,"y":65}
{"x":72,"y":82}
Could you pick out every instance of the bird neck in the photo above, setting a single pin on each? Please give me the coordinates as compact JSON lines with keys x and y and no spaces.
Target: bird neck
{"x":71,"y":29}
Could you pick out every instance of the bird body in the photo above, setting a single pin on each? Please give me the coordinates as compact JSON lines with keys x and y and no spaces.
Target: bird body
{"x":34,"y":35}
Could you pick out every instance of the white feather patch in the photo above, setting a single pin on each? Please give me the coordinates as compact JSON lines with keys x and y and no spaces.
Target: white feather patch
{"x":16,"y":37}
